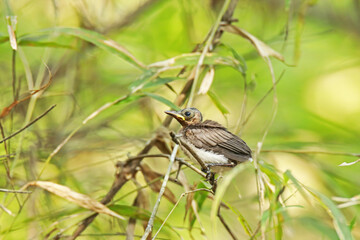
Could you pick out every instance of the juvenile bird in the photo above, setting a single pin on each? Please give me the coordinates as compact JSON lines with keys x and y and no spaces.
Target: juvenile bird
{"x":213,"y":144}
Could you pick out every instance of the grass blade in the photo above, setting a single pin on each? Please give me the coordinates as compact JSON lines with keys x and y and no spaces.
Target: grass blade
{"x":100,"y":41}
{"x":163,"y":100}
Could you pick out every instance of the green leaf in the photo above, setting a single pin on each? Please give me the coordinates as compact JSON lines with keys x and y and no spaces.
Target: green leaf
{"x":217,"y":103}
{"x":134,"y":212}
{"x":163,"y":100}
{"x":41,"y":41}
{"x":191,"y":59}
{"x":339,"y":221}
{"x":98,"y":40}
{"x":221,"y":189}
{"x":298,"y":186}
{"x":43,"y":44}
{"x":241,"y":67}
{"x":321,"y":227}
{"x":3,"y":39}
{"x":199,"y":198}
{"x":352,"y":223}
{"x":266,"y":216}
{"x":242,"y":220}
{"x":140,"y":214}
{"x":159,"y":81}
{"x":271,"y":172}
{"x":140,"y":82}
{"x":130,"y":98}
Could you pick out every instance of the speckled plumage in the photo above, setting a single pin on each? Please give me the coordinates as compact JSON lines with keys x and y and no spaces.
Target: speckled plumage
{"x":213,"y":143}
{"x":211,"y":136}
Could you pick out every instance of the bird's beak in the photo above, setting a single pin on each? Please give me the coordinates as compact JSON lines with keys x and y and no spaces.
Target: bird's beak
{"x":176,"y":115}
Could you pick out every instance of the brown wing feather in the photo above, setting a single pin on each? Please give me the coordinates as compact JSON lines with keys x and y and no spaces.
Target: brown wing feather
{"x":212,"y":136}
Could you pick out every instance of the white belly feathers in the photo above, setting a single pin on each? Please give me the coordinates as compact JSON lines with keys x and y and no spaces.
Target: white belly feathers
{"x":206,"y":156}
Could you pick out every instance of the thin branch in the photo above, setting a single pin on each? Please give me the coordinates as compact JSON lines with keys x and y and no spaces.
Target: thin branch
{"x":162,"y":190}
{"x":5,"y":209}
{"x":261,"y":100}
{"x":84,"y":122}
{"x":222,"y":220}
{"x":7,"y":155}
{"x":14,"y":191}
{"x":29,"y":124}
{"x":127,"y":172}
{"x":191,"y":151}
{"x":198,"y":171}
{"x":176,"y":204}
{"x":243,"y":108}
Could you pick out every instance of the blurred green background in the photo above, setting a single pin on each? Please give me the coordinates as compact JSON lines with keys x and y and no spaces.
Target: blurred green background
{"x":318,"y":110}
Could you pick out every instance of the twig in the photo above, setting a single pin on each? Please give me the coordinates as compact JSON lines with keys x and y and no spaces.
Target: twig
{"x":7,"y":155}
{"x":166,"y":178}
{"x":7,"y":166}
{"x":243,"y":107}
{"x":84,"y":122}
{"x":222,"y":220}
{"x":198,"y":171}
{"x":14,"y":191}
{"x":29,"y":124}
{"x":197,"y":158}
{"x":5,"y":209}
{"x":127,"y":172}
{"x":176,"y":204}
{"x":261,"y":100}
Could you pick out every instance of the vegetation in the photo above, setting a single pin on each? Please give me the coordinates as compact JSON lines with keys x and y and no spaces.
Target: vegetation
{"x":85,"y":144}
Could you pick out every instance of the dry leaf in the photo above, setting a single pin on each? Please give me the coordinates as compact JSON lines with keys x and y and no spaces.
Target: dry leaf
{"x":264,"y":50}
{"x":344,"y":164}
{"x":149,"y":176}
{"x":75,"y":197}
{"x":207,"y":81}
{"x":11,"y":26}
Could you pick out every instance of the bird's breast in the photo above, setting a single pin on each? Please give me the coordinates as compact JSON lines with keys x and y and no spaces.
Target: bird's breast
{"x":208,"y":157}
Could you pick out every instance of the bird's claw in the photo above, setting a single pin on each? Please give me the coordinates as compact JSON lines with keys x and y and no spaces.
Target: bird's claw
{"x":210,"y":176}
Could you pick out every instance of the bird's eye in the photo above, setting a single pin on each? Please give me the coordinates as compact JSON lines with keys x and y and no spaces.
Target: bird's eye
{"x":187,"y":114}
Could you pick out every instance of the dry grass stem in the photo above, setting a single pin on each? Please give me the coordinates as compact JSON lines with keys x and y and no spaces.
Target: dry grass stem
{"x":149,"y":227}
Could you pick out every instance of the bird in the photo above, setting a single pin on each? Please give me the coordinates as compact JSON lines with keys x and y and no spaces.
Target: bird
{"x":209,"y":143}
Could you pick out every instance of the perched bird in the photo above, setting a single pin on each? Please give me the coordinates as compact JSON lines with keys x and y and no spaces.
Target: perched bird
{"x":216,"y":147}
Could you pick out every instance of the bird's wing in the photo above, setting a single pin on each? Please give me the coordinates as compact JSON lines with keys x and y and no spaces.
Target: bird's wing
{"x":211,"y":136}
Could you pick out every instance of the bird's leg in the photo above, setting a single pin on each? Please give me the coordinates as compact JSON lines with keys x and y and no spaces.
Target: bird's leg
{"x":206,"y":170}
{"x":210,"y":177}
{"x":213,"y":181}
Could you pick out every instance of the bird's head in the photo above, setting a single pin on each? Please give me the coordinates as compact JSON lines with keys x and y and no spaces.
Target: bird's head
{"x":187,"y":116}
